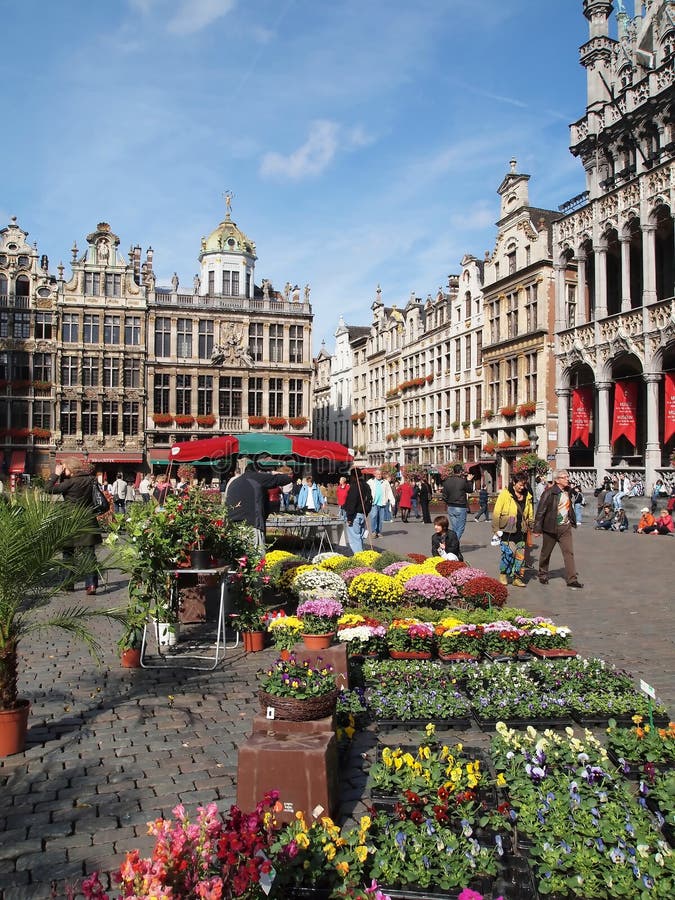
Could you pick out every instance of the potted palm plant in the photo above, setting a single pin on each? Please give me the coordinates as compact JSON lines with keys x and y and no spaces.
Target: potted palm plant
{"x":33,"y":533}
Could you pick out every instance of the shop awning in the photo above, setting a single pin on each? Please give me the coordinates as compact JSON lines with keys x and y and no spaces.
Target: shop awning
{"x":64,"y":454}
{"x":17,"y":462}
{"x":118,"y":457}
{"x":255,"y":444}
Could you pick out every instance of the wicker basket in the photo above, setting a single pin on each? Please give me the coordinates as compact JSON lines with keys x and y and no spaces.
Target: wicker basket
{"x":294,"y":710}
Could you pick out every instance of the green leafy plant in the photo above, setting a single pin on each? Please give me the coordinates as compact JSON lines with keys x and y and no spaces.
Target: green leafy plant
{"x":301,"y":680}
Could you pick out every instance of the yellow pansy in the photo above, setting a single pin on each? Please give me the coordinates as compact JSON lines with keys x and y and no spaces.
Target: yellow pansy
{"x":343,"y":868}
{"x":330,"y":851}
{"x":361,"y":853}
{"x":302,"y":840}
{"x":501,"y":781}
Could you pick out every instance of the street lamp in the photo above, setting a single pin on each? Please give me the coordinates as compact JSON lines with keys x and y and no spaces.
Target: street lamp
{"x":534,"y":443}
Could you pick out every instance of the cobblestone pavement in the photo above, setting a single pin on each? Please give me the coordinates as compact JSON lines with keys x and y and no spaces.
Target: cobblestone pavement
{"x":110,"y":749}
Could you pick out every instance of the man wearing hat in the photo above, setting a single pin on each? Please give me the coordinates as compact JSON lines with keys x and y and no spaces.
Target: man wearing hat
{"x":555,"y":521}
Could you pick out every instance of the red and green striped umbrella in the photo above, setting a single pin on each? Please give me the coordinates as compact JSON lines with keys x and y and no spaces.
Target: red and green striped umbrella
{"x":256,"y":444}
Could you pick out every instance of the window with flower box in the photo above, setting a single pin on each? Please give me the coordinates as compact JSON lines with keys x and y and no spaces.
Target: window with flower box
{"x":511,"y":381}
{"x":255,"y":396}
{"x":90,"y":371}
{"x":130,"y":419}
{"x":110,"y":417}
{"x":91,"y":329}
{"x":204,"y":395}
{"x":229,"y":396}
{"x":276,"y":397}
{"x":494,"y":386}
{"x":163,"y":336}
{"x":531,"y":292}
{"x":295,"y":393}
{"x":255,"y":341}
{"x":183,"y":395}
{"x":205,"y":338}
{"x":184,"y":338}
{"x":42,"y":367}
{"x":89,"y":417}
{"x":69,"y":374}
{"x":42,"y":414}
{"x":531,"y":377}
{"x":132,"y":372}
{"x":161,"y":392}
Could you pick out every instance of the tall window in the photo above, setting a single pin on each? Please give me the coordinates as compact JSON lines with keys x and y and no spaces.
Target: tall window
{"x":458,"y":355}
{"x":90,"y":329}
{"x":132,"y":372}
{"x":111,"y":371}
{"x":42,"y":414}
{"x":113,"y":285}
{"x":22,"y":325}
{"x":494,"y":317}
{"x":204,"y":395}
{"x":226,"y":283}
{"x":276,"y":343}
{"x":163,"y":336}
{"x":467,"y":305}
{"x":295,"y":405}
{"x":511,"y":382}
{"x":130,"y":419}
{"x":69,"y":371}
{"x":235,"y":284}
{"x":161,"y":393}
{"x":531,"y":377}
{"x":89,"y":416}
{"x":205,"y":338}
{"x":212,"y":281}
{"x":255,"y":343}
{"x":92,"y":284}
{"x":3,"y":288}
{"x":276,"y":397}
{"x":4,"y":324}
{"x":184,"y":338}
{"x":111,"y":330}
{"x":110,"y":417}
{"x":68,"y":416}
{"x":479,"y":348}
{"x":18,"y":413}
{"x":479,"y":401}
{"x":467,"y":404}
{"x":229,"y":396}
{"x":571,"y":304}
{"x":295,"y":348}
{"x":255,"y":396}
{"x":69,"y":328}
{"x":132,"y":331}
{"x":467,"y":351}
{"x":42,"y":366}
{"x":43,"y":326}
{"x":184,"y":395}
{"x":458,"y":406}
{"x":531,"y":306}
{"x":511,"y":259}
{"x":20,"y":366}
{"x":90,"y":371}
{"x":512,"y":314}
{"x":494,"y":396}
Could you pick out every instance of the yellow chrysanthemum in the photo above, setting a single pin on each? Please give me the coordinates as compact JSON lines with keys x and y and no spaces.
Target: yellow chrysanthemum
{"x":292,"y":622}
{"x":332,"y":562}
{"x":349,"y":620}
{"x":365,"y":557}
{"x":274,"y":556}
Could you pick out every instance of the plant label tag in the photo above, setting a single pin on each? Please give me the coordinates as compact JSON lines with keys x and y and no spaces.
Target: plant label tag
{"x":266,"y":878}
{"x":288,"y":806}
{"x":647,"y":689}
{"x":270,"y":712}
{"x":316,"y":812}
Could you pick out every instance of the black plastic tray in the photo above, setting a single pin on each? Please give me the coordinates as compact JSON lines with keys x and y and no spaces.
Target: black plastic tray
{"x":490,"y":723}
{"x":460,"y":722}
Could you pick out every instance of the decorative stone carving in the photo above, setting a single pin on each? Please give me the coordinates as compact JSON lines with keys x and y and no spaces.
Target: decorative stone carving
{"x":232,"y":349}
{"x":619,"y":345}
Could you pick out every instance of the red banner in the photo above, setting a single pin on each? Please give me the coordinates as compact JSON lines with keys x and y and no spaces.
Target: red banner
{"x":669,"y":408}
{"x":625,"y":411}
{"x":582,"y":406}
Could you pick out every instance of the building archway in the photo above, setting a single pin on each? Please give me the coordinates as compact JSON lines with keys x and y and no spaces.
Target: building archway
{"x":668,"y":368}
{"x":581,"y":375}
{"x":634,"y":233}
{"x":613,"y":270}
{"x":664,"y":248}
{"x":627,"y":369}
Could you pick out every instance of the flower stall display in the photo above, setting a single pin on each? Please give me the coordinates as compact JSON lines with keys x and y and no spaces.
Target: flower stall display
{"x":363,"y":635}
{"x":545,"y":638}
{"x":433,"y":591}
{"x":423,"y":769}
{"x":284,"y":631}
{"x":636,"y":747}
{"x":374,"y":590}
{"x":481,"y":591}
{"x":658,"y":791}
{"x":318,"y":582}
{"x":505,"y":691}
{"x":503,"y":639}
{"x":319,"y":618}
{"x":410,"y":639}
{"x":414,"y":691}
{"x":459,"y":641}
{"x":298,"y":691}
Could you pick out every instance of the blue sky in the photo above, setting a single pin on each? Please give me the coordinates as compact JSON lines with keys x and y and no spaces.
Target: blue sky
{"x":363,"y":141}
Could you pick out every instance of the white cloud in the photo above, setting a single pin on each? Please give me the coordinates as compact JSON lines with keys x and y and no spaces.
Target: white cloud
{"x":324,"y":141}
{"x":194,"y":15}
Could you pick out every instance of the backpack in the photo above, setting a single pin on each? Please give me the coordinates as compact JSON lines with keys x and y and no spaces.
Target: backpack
{"x":99,"y":501}
{"x":639,"y":489}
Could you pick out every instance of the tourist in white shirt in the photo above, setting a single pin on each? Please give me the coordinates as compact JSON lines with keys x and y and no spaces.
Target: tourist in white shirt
{"x":383,"y":497}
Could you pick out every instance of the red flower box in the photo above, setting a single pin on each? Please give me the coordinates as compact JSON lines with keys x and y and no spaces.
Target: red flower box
{"x":206,"y":421}
{"x":162,"y":418}
{"x":297,"y":421}
{"x":184,"y":421}
{"x":277,"y":422}
{"x":257,"y":421}
{"x":509,"y":412}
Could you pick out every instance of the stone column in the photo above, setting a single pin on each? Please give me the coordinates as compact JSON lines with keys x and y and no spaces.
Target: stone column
{"x":653,"y":448}
{"x":648,"y":264}
{"x":600,"y":282}
{"x":581,"y":317}
{"x":563,"y":452}
{"x":603,"y":451}
{"x":625,"y":274}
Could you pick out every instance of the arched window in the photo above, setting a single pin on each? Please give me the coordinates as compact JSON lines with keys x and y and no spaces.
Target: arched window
{"x":22,"y":291}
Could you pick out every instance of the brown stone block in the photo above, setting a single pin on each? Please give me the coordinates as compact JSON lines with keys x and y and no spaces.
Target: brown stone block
{"x":302,"y":767}
{"x":284,"y":726}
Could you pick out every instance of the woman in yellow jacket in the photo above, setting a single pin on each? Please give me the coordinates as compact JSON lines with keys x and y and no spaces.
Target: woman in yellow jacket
{"x":512,"y":518}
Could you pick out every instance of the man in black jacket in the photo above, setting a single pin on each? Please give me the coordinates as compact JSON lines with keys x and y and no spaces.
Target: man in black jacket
{"x":357,"y":509}
{"x":555,"y":521}
{"x":245,"y":497}
{"x":455,"y":490}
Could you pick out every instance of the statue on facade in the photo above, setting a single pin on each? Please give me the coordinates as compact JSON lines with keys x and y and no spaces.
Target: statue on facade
{"x":103,"y":252}
{"x":439,"y":293}
{"x":266,"y":288}
{"x":287,"y":290}
{"x":307,"y":293}
{"x":197,"y":283}
{"x":174,"y":282}
{"x":295,"y":296}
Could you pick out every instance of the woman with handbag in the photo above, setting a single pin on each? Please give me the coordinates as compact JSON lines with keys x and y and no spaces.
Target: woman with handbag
{"x":512,"y":518}
{"x":75,"y":482}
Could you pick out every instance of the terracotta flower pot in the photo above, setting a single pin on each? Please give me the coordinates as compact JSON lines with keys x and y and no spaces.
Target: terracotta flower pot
{"x":131,"y":658}
{"x":318,"y":641}
{"x":410,"y":654}
{"x":13,"y":728}
{"x":254,"y":641}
